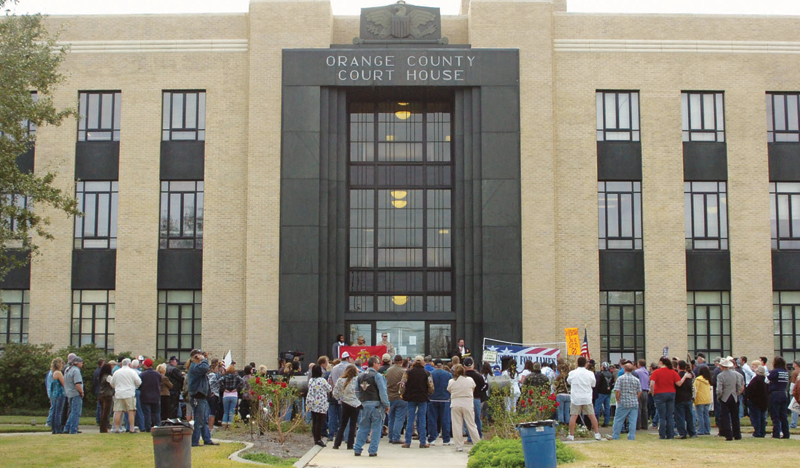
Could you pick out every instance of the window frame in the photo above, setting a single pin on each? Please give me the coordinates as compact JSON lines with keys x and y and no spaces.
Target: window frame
{"x":24,"y":305}
{"x":84,"y":101}
{"x":639,"y":326}
{"x":690,"y":194}
{"x":692,"y":335}
{"x":789,"y":353}
{"x":633,"y":130}
{"x":78,"y":304}
{"x":790,"y":136}
{"x":779,"y":241}
{"x":163,"y":323}
{"x":80,"y":240}
{"x":164,"y":237}
{"x":373,"y":324}
{"x":635,"y":219}
{"x":168,"y":130}
{"x":691,"y":134}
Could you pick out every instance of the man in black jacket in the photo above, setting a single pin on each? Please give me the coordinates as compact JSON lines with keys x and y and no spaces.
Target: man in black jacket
{"x":175,"y":376}
{"x":478,"y":394}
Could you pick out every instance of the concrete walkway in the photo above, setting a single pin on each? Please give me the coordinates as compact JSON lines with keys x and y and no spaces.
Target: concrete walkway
{"x":392,"y":456}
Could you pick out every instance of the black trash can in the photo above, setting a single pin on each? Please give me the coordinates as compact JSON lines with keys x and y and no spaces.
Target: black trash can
{"x":172,"y":446}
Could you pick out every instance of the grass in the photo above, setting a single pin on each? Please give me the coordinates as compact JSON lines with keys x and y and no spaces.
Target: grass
{"x":16,"y":428}
{"x":704,"y":451}
{"x":40,"y":420}
{"x":101,"y":451}
{"x":269,"y":459}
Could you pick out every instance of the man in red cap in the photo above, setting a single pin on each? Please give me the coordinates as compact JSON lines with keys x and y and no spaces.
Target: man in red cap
{"x":150,"y":395}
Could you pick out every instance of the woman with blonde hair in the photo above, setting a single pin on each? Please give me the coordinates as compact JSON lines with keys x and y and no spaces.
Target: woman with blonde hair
{"x":166,"y":386}
{"x":230,"y":386}
{"x":57,"y":395}
{"x":345,"y":390}
{"x":462,"y":407}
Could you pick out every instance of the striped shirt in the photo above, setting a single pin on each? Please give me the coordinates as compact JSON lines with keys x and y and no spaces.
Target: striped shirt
{"x":628,"y":387}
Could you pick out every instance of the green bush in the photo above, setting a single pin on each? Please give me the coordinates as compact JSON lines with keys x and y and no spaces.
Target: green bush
{"x":507,"y":453}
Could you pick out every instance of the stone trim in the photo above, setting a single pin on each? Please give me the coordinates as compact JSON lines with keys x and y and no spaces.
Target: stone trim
{"x":190,"y":45}
{"x":648,"y":45}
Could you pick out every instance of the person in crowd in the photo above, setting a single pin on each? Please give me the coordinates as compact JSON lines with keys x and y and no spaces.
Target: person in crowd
{"x":581,"y":381}
{"x":429,"y":363}
{"x":199,"y":391}
{"x":527,"y":369}
{"x":644,"y":379}
{"x":683,"y":401}
{"x":73,"y":389}
{"x":386,"y":363}
{"x":176,"y":377}
{"x":700,"y":360}
{"x":439,"y":406}
{"x":345,"y":390}
{"x":214,"y":399}
{"x":778,"y":398}
{"x":374,"y":405}
{"x":397,"y":406}
{"x":334,"y":407}
{"x":361,"y":341}
{"x":139,"y":421}
{"x":57,"y":395}
{"x":561,"y":389}
{"x":757,"y":402}
{"x":230,"y":384}
{"x":714,"y":374}
{"x":150,"y":395}
{"x":796,"y":392}
{"x":792,"y":385}
{"x":336,"y":344}
{"x":604,"y":379}
{"x":460,"y":351}
{"x":454,"y":361}
{"x":244,"y":393}
{"x":510,"y":370}
{"x":480,"y":391}
{"x":96,"y":388}
{"x":662,"y":386}
{"x":702,"y":400}
{"x":166,"y":386}
{"x":105,"y":395}
{"x":461,"y":390}
{"x":548,"y":370}
{"x":188,"y":413}
{"x":627,"y":390}
{"x":125,"y":382}
{"x":317,"y":402}
{"x":486,"y":373}
{"x":416,"y":386}
{"x":385,"y":342}
{"x":536,"y":378}
{"x":730,"y":385}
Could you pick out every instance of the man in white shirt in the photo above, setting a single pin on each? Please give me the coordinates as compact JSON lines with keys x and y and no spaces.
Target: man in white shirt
{"x":581,"y":383}
{"x":125,"y":382}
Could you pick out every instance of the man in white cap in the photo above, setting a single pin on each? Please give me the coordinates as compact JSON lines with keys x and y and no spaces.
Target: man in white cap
{"x":730,"y":385}
{"x":125,"y":382}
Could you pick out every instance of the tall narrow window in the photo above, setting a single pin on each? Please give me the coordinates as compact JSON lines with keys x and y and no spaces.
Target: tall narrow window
{"x":93,"y":318}
{"x":703,"y":116}
{"x":184,"y":116}
{"x":783,"y":115}
{"x":14,"y":316}
{"x":619,"y":207}
{"x":709,"y":316}
{"x":97,"y":228}
{"x":181,"y":215}
{"x":621,"y":325}
{"x":100,"y":113}
{"x":784,"y":204}
{"x":180,"y":316}
{"x":617,"y":116}
{"x":786,"y":320}
{"x":29,"y":126}
{"x":706,"y":215}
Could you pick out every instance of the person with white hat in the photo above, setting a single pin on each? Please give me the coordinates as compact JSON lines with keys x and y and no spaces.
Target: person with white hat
{"x":730,"y":385}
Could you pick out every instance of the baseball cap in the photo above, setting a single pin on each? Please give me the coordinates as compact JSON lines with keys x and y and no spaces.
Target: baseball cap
{"x":148,"y":362}
{"x":76,"y":360}
{"x":173,"y":358}
{"x":345,"y":355}
{"x":437,"y":361}
{"x":386,"y":357}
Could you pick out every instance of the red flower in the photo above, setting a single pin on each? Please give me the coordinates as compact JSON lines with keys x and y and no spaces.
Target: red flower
{"x":269,"y":381}
{"x":252,"y":392}
{"x":283,"y":384}
{"x":543,"y":392}
{"x":258,"y":380}
{"x":552,"y":397}
{"x":530,"y":402}
{"x":541,"y":408}
{"x":270,"y":403}
{"x":259,"y":397}
{"x":530,"y":392}
{"x":522,"y":403}
{"x":275,"y":391}
{"x":557,"y":404}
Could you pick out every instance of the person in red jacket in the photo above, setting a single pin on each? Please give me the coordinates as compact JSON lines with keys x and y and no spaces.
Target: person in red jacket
{"x":662,"y":387}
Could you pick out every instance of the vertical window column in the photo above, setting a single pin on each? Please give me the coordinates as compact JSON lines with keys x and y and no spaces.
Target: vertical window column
{"x":180,"y":315}
{"x":181,"y":215}
{"x":14,"y":316}
{"x":100,"y":115}
{"x":786,"y":319}
{"x":93,"y":313}
{"x":709,"y":322}
{"x":706,"y":215}
{"x":703,"y":116}
{"x":99,"y":202}
{"x":622,"y":325}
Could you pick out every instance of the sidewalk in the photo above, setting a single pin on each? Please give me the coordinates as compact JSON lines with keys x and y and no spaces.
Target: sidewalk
{"x":392,"y":456}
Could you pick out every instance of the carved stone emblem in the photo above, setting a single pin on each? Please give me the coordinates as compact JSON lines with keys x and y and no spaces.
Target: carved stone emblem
{"x":400,"y":21}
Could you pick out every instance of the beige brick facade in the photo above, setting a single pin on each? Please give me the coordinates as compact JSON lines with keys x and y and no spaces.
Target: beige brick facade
{"x":564,"y":59}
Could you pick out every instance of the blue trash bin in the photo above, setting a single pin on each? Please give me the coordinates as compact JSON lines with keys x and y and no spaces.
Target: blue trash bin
{"x":538,"y":443}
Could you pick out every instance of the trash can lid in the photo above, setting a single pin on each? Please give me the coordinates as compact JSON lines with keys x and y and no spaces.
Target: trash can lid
{"x":545,"y":423}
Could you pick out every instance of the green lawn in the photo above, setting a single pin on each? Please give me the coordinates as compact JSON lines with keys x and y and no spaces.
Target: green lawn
{"x":15,"y":428}
{"x":100,"y":451}
{"x":40,"y":420}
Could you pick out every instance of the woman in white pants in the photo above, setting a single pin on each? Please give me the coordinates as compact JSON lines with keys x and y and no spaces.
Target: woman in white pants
{"x":462,"y":407}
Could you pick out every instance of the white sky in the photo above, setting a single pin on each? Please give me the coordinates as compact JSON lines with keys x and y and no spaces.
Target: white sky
{"x":449,"y":7}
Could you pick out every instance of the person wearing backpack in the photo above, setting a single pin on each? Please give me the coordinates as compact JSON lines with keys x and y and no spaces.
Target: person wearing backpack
{"x":604,"y":386}
{"x":231,"y":384}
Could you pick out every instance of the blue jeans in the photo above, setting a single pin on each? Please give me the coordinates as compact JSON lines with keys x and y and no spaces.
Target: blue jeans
{"x":369,"y":422}
{"x":793,"y":424}
{"x":228,"y":408}
{"x":139,"y":411}
{"x":420,"y":411}
{"x":562,"y":413}
{"x":758,"y":419}
{"x":56,"y":409}
{"x":741,"y":408}
{"x":603,"y":404}
{"x":439,"y":415}
{"x":703,"y":419}
{"x":665,"y":405}
{"x":397,"y":417}
{"x":778,"y":406}
{"x":334,"y":417}
{"x":99,"y":410}
{"x":75,"y":408}
{"x":200,"y":422}
{"x":477,"y":403}
{"x":685,"y":418}
{"x":152,"y":415}
{"x":630,"y":413}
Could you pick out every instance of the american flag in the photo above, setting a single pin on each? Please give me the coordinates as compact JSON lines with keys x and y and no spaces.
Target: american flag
{"x":585,"y":346}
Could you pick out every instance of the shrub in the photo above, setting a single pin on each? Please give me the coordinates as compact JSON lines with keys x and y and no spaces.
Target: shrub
{"x":272,"y":401}
{"x":507,"y":453}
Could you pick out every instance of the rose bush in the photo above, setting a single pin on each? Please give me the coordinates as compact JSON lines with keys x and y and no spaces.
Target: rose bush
{"x":273,"y":400}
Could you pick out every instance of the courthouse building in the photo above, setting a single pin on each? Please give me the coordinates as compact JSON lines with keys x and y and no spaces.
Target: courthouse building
{"x":263,"y":181}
